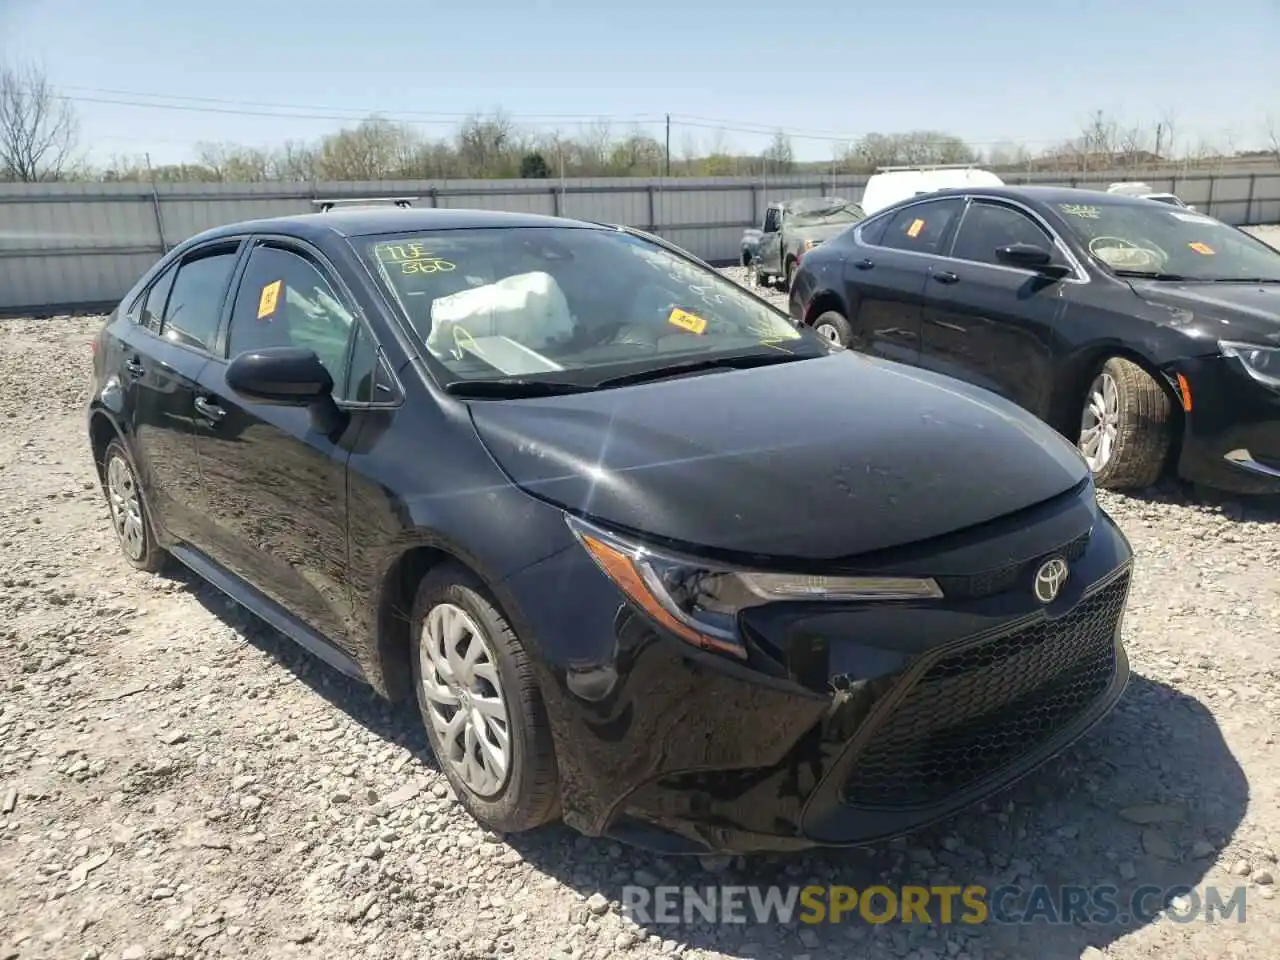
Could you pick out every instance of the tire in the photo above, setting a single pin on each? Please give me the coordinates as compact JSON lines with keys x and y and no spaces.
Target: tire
{"x":790,"y":275}
{"x":526,"y":793}
{"x":746,"y":258}
{"x":833,"y":327}
{"x":127,"y":508}
{"x":1131,"y":417}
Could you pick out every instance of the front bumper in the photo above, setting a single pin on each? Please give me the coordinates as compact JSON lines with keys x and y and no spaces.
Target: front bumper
{"x":1231,"y":440}
{"x":864,"y":722}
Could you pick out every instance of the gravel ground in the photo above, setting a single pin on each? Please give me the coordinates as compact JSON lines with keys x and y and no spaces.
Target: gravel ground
{"x":177,"y":780}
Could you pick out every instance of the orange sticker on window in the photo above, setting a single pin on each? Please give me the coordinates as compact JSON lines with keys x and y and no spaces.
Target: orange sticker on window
{"x":913,"y":231}
{"x":1201,"y":248}
{"x":687,"y":321}
{"x":269,"y":298}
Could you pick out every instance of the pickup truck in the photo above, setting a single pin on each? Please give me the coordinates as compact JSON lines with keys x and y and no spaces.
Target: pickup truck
{"x":790,"y":228}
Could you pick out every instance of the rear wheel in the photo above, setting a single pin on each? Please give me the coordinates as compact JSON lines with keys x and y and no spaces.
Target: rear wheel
{"x":1125,"y":427}
{"x":130,"y":517}
{"x":834,"y":327}
{"x":481,"y":704}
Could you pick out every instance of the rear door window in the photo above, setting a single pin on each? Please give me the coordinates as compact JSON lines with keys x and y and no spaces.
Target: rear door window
{"x":922,"y":227}
{"x":195,"y":304}
{"x":153,"y":305}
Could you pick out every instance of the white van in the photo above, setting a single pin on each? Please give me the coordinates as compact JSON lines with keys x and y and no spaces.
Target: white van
{"x":888,"y":185}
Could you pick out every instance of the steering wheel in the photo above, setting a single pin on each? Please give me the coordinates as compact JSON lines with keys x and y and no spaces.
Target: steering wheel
{"x":1120,"y":242}
{"x":1158,"y":258}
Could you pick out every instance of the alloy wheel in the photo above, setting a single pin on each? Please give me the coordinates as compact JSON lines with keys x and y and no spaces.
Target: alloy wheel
{"x":126,"y":507}
{"x":828,"y":332}
{"x":1100,"y":422}
{"x":465,"y":703}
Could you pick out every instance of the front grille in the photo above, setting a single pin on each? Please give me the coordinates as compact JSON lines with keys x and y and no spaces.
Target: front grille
{"x":990,"y":582}
{"x":978,"y":709}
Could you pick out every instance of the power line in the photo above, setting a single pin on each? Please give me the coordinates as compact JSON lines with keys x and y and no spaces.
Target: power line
{"x":229,"y":107}
{"x":302,"y":112}
{"x":215,"y":105}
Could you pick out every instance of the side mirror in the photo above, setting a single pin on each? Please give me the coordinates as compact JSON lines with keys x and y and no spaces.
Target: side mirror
{"x":289,"y":376}
{"x":1024,"y":255}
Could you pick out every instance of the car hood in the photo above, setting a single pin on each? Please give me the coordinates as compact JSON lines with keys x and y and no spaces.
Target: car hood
{"x":817,"y":459}
{"x":821,"y":231}
{"x":1230,"y":311}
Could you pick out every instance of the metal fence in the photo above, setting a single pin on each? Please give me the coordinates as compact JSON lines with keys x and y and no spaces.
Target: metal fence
{"x":79,"y":246}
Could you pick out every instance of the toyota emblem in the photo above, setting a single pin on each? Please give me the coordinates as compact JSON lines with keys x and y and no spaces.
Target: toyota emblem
{"x":1050,"y":578}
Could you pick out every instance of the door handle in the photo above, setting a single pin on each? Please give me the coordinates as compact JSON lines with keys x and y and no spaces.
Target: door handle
{"x":946,"y":276}
{"x":135,"y":367}
{"x":209,"y":409}
{"x":866,"y":263}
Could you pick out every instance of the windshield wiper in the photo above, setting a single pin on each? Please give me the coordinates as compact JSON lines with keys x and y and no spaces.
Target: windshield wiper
{"x":512,"y":387}
{"x":1245,"y":280}
{"x":695,"y":366}
{"x":1151,"y":275}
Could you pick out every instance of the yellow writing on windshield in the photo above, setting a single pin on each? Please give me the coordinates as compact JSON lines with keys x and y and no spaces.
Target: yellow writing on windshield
{"x":772,"y":334}
{"x":687,"y":321}
{"x":1081,"y":210}
{"x":1201,"y":248}
{"x":412,"y":257}
{"x":268,"y":299}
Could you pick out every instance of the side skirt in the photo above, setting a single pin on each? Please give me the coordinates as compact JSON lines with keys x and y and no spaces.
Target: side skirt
{"x":267,"y":609}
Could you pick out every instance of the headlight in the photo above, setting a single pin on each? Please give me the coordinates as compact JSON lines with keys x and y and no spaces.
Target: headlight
{"x":700,"y":601}
{"x":1261,"y":363}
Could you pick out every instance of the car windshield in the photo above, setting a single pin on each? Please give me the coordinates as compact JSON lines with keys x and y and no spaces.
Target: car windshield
{"x":1142,"y":237}
{"x":823,"y":211}
{"x":571,"y":304}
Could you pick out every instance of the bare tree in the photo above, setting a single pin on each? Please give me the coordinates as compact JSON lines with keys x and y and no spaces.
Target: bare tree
{"x":374,"y":149}
{"x":489,"y":146}
{"x":294,"y":161}
{"x":38,"y":128}
{"x":230,"y":163}
{"x":594,"y":145}
{"x":689,"y":151}
{"x":778,"y":156}
{"x":1273,"y":137}
{"x":1167,"y":134}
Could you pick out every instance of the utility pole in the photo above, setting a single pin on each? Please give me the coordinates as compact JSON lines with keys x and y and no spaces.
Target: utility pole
{"x":668,"y":144}
{"x":1159,"y":138}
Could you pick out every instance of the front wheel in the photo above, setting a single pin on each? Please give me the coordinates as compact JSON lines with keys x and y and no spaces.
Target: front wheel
{"x":834,"y":327}
{"x":1125,"y":427}
{"x":481,"y":704}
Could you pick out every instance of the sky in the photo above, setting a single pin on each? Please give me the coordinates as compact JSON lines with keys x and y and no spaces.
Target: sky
{"x":825,"y":71}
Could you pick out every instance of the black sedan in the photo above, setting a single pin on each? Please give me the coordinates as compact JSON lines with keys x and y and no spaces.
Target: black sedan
{"x":1148,"y":334}
{"x":542,"y":476}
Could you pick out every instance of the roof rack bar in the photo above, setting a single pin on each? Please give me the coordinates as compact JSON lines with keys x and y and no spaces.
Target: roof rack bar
{"x":928,"y":166}
{"x":327,"y":205}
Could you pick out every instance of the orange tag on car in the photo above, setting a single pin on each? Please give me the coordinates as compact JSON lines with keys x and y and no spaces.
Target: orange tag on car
{"x":687,"y":321}
{"x":913,"y":231}
{"x":1201,"y":248}
{"x":268,"y":300}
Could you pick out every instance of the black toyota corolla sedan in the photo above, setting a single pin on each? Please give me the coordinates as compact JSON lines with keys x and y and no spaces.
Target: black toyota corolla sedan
{"x":1147,"y":333}
{"x":562,"y":484}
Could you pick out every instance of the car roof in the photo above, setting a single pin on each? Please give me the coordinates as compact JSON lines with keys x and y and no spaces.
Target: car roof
{"x":368,"y":221}
{"x":1037,"y":194}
